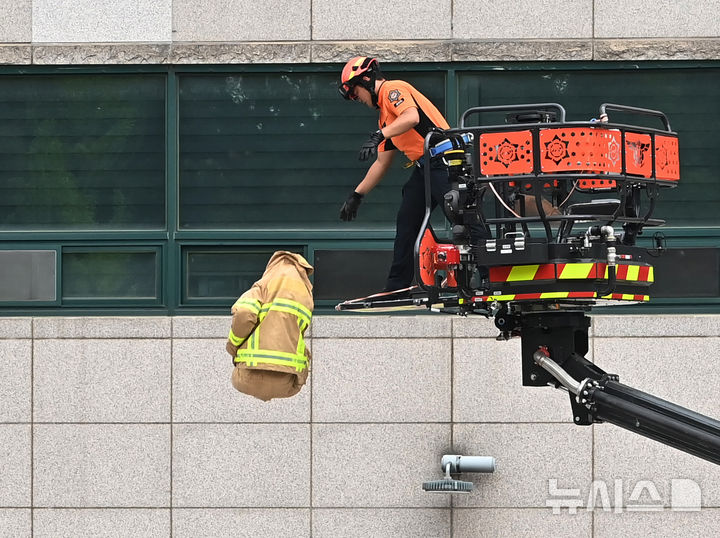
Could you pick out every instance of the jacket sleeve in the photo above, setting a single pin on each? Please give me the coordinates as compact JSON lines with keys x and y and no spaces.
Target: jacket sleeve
{"x":245,"y":313}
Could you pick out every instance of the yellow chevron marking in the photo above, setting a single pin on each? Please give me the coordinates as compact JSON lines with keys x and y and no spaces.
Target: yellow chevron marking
{"x":522,"y":272}
{"x":576,"y":270}
{"x":632,"y":272}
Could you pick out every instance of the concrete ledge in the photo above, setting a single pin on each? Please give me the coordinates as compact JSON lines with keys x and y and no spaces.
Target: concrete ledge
{"x":304,"y":52}
{"x":240,"y":53}
{"x":100,"y":53}
{"x":378,"y":326}
{"x":522,"y":50}
{"x":15,"y":54}
{"x":474,"y":327}
{"x":656,"y":49}
{"x":14,"y":328}
{"x":201,"y":326}
{"x":87,"y":327}
{"x":659,"y":326}
{"x":386,"y":51}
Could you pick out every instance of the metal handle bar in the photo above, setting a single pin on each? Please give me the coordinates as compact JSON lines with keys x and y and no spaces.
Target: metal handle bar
{"x":508,"y":108}
{"x":636,"y":110}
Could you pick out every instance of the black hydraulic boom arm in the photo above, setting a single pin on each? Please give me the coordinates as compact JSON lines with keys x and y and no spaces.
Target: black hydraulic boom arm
{"x":553,"y":350}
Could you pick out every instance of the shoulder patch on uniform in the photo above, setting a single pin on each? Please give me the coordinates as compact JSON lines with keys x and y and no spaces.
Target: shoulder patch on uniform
{"x":396,"y":97}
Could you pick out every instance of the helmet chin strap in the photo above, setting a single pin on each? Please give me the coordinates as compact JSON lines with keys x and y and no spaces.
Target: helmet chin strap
{"x":373,"y":94}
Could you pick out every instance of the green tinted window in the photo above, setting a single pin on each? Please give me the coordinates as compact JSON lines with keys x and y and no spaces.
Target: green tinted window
{"x":687,"y":97}
{"x":224,"y":273}
{"x":109,"y":275}
{"x":279,"y":151}
{"x":82,"y":152}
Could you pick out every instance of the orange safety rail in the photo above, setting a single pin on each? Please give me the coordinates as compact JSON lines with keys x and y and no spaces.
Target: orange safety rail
{"x":506,"y":153}
{"x":667,"y":158}
{"x":593,"y":150}
{"x":638,"y":155}
{"x":580,"y":149}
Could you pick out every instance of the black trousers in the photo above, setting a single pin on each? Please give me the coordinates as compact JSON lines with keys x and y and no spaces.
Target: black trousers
{"x":409,"y":220}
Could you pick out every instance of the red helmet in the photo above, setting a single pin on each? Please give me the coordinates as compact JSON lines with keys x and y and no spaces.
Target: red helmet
{"x":355,"y":72}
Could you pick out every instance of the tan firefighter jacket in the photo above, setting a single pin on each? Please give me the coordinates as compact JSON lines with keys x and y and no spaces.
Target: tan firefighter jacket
{"x":270,"y":319}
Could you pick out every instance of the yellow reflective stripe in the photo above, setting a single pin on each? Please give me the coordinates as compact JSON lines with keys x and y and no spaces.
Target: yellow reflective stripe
{"x":356,"y":64}
{"x":251,"y":304}
{"x":295,"y":305}
{"x":254,"y":338}
{"x":300,"y":349}
{"x":522,"y":272}
{"x":627,"y":297}
{"x":289,"y":307}
{"x":576,"y":270}
{"x":501,"y":297}
{"x":262,"y":356}
{"x":283,"y":308}
{"x":633,"y":271}
{"x":651,"y":275}
{"x":554,"y":295}
{"x":234,"y":340}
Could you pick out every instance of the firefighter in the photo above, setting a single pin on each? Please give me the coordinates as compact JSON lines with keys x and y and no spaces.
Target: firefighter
{"x":406,"y":116}
{"x":268,"y":327}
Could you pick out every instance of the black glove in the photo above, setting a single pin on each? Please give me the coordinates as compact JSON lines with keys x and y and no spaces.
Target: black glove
{"x":369,"y":148}
{"x":349,"y":209}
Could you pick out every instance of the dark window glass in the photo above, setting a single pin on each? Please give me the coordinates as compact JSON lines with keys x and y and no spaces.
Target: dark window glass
{"x":280,"y":151}
{"x":688,"y":97}
{"x":82,"y":152}
{"x":28,"y":275}
{"x":109,"y":275}
{"x":224,"y":273}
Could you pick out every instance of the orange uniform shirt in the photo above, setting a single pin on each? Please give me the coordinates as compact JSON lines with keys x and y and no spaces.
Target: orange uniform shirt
{"x":394,"y":97}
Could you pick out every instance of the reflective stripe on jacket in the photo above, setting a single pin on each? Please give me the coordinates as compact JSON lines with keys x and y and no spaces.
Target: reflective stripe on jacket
{"x":254,"y":354}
